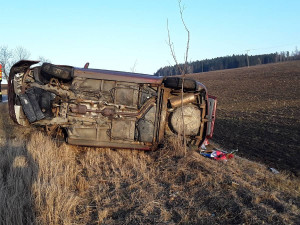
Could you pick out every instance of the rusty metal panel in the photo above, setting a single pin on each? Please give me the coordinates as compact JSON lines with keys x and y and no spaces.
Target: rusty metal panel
{"x":107,"y":85}
{"x":145,"y":126}
{"x":123,"y":129}
{"x":83,"y":133}
{"x":91,"y":85}
{"x":127,"y":94}
{"x":102,"y":134}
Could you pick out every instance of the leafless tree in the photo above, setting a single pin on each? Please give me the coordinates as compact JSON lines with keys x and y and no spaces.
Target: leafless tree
{"x":21,"y":53}
{"x":9,"y":57}
{"x":6,"y":57}
{"x":182,"y":69}
{"x":296,"y":53}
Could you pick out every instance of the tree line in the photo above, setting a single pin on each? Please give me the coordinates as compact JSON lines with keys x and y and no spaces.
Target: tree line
{"x":229,"y":62}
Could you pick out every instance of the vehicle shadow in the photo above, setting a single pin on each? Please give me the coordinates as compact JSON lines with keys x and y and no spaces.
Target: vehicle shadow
{"x":18,"y":172}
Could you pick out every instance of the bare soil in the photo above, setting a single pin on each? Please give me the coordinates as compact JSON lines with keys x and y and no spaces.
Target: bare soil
{"x":259,"y":112}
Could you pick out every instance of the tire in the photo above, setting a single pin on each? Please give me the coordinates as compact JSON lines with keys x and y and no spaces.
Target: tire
{"x":176,"y":83}
{"x":27,"y":108}
{"x":56,"y":71}
{"x":35,"y":105}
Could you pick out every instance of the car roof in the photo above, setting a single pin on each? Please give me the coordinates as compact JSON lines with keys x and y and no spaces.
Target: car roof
{"x":117,"y":76}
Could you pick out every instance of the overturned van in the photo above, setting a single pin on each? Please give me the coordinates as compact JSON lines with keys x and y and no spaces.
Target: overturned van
{"x":103,"y":108}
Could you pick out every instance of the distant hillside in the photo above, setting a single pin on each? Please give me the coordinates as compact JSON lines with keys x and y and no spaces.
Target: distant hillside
{"x":229,"y":62}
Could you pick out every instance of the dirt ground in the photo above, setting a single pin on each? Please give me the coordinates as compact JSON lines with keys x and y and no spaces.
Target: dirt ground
{"x":259,"y":112}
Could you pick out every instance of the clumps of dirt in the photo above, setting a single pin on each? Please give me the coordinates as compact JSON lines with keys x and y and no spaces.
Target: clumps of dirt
{"x":258,"y":112}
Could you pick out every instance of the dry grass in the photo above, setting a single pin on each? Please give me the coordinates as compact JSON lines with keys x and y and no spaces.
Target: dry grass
{"x":43,"y":182}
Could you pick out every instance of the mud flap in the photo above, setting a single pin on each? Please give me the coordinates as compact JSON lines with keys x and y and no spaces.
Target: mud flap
{"x":211,"y":115}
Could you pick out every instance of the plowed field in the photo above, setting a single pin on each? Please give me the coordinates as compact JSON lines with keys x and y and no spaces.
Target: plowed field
{"x":259,"y":112}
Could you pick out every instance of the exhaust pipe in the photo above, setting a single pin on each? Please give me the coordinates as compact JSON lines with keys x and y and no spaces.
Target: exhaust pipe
{"x":187,"y":98}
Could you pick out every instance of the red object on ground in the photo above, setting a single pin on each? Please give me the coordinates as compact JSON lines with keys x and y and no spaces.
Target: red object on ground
{"x":217,"y":155}
{"x":220,"y":155}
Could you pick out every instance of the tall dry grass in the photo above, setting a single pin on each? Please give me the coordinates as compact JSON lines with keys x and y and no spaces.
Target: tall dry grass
{"x":55,"y":188}
{"x":42,"y":182}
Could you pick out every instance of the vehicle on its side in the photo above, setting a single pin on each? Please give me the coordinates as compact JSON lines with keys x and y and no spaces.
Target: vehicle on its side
{"x":104,"y":108}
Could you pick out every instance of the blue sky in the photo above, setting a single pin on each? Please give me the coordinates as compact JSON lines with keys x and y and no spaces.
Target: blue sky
{"x":117,"y":34}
